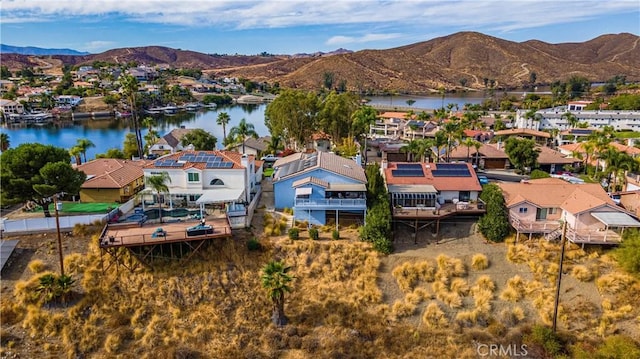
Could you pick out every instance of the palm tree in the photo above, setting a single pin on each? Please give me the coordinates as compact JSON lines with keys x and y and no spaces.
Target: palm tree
{"x":469,"y":142}
{"x":617,"y":164}
{"x":84,"y":144}
{"x":276,"y":281}
{"x":572,"y":120}
{"x":223,"y":120}
{"x":76,"y":152}
{"x":426,"y":148}
{"x":477,"y":145}
{"x":159,"y":184}
{"x":439,"y":142}
{"x":453,"y":132}
{"x":274,"y":145}
{"x":412,"y":148}
{"x":130,"y":91}
{"x":4,"y":142}
{"x":242,"y":131}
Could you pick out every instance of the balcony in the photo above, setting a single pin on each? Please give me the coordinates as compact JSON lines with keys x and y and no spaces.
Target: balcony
{"x":331,"y":203}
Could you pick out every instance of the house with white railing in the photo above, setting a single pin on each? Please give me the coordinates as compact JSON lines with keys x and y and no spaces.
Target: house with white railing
{"x":541,"y":206}
{"x":320,"y":186}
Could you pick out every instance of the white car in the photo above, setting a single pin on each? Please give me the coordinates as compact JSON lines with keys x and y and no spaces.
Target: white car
{"x":269,"y":158}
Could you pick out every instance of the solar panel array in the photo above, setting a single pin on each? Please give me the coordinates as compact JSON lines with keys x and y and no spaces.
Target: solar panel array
{"x":209,"y":159}
{"x":409,"y":166}
{"x":407,"y":173}
{"x":168,"y":163}
{"x":451,"y":170}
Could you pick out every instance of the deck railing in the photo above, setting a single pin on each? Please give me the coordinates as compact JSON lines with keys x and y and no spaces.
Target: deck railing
{"x":325,"y":202}
{"x":161,"y":237}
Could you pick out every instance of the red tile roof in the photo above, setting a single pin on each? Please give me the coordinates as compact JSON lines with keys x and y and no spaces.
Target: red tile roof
{"x":440,"y":183}
{"x":111,"y":172}
{"x":522,"y":132}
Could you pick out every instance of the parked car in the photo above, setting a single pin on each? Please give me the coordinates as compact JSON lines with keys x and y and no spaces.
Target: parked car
{"x":483,"y":180}
{"x":269,"y":158}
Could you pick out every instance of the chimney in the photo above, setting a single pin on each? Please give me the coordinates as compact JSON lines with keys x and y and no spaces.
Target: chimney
{"x":498,"y":144}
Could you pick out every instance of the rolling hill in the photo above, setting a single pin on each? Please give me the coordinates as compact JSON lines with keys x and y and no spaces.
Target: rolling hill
{"x":468,"y":58}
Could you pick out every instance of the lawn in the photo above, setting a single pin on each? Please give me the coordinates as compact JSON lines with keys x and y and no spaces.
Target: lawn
{"x":268,"y":172}
{"x":80,"y":207}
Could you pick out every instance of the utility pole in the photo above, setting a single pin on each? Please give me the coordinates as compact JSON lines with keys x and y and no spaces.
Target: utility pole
{"x":562,"y":244}
{"x":55,"y":204}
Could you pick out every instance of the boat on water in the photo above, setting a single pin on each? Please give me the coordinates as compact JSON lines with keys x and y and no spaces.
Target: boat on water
{"x":38,"y":118}
{"x":192,"y":107}
{"x":122,"y":114}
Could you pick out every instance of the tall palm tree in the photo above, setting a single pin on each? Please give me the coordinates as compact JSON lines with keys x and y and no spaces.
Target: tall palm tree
{"x":275,"y":279}
{"x":223,"y":120}
{"x":453,"y":132}
{"x":84,"y":144}
{"x":439,"y":142}
{"x":469,"y":142}
{"x":412,"y":149}
{"x":617,"y":164}
{"x":159,"y":184}
{"x":274,"y":145}
{"x":243,"y":131}
{"x":426,"y":149}
{"x":4,"y":142}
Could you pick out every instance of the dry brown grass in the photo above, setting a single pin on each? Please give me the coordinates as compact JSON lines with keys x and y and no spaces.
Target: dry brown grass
{"x":614,"y":283}
{"x":434,"y":317}
{"x":36,"y":266}
{"x":517,"y":253}
{"x":582,"y":273}
{"x":408,"y":274}
{"x":515,"y":289}
{"x":479,"y":261}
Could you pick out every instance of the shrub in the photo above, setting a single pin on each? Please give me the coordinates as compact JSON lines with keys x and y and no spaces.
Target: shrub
{"x":613,"y":283}
{"x":628,"y":253}
{"x":582,"y":273}
{"x":494,"y":225}
{"x":479,"y":261}
{"x":335,"y":235}
{"x":547,"y":339}
{"x":313,"y":233}
{"x":36,"y":266}
{"x":294,"y":233}
{"x":434,"y":317}
{"x":618,"y":346}
{"x":254,"y":245}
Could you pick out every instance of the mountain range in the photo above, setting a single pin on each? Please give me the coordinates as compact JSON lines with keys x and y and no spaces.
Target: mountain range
{"x":38,"y":51}
{"x":464,"y":59}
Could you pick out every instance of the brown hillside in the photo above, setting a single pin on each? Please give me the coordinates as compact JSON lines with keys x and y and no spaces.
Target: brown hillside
{"x":419,"y":67}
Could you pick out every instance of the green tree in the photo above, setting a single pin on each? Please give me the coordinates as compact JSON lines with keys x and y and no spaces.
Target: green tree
{"x":84,"y":144}
{"x":200,"y":139}
{"x":522,"y":153}
{"x":328,"y":78}
{"x":243,"y":131}
{"x":410,"y":102}
{"x":276,"y":280}
{"x":535,"y":174}
{"x":158,"y":183}
{"x":4,"y":142}
{"x":130,"y":148}
{"x":4,"y":72}
{"x":494,"y":224}
{"x":628,"y":253}
{"x":377,"y":228}
{"x":274,"y":145}
{"x":293,"y":117}
{"x":223,"y":120}
{"x":33,"y":171}
{"x":335,"y":116}
{"x":572,"y":120}
{"x":112,"y":153}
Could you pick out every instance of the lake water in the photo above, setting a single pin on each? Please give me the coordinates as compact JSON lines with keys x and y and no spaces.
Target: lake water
{"x":110,"y":133}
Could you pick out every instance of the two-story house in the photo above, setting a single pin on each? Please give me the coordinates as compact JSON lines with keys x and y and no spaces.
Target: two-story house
{"x":320,"y":186}
{"x":211,"y":179}
{"x":429,"y":192}
{"x":538,"y":207}
{"x":111,"y":180}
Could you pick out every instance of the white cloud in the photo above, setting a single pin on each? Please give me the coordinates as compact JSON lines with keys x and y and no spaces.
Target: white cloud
{"x":417,"y":14}
{"x":343,"y":40}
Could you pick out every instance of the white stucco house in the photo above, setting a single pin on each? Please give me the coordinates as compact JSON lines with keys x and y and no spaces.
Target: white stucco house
{"x":211,"y":179}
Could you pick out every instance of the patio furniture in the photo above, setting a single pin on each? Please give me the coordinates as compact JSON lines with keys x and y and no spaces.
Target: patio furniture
{"x":159,"y":233}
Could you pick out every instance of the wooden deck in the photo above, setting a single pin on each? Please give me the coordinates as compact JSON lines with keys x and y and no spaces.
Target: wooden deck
{"x":134,"y":235}
{"x":607,"y":237}
{"x":446,"y":210}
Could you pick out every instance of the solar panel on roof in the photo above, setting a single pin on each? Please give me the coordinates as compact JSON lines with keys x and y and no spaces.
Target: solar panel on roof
{"x":414,"y":166}
{"x":451,"y":166}
{"x":407,"y":173}
{"x":227,"y":164}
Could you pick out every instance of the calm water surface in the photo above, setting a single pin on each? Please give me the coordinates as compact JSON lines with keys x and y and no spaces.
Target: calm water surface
{"x":110,"y":133}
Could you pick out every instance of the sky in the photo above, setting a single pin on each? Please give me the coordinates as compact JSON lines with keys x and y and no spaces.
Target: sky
{"x":291,"y":26}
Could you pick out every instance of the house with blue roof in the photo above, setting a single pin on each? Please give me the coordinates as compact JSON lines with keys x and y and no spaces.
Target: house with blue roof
{"x":319,"y":187}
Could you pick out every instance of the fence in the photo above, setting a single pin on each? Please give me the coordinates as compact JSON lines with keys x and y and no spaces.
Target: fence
{"x":66,"y":222}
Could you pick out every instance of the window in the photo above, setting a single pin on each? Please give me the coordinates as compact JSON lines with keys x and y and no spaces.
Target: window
{"x":194,"y":197}
{"x":552,"y":210}
{"x":522,"y":209}
{"x":216,"y":182}
{"x":193,"y":177}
